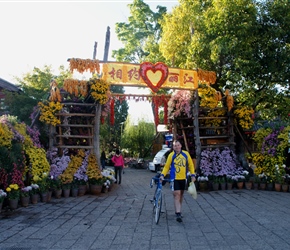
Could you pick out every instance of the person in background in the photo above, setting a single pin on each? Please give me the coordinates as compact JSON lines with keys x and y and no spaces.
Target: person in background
{"x":103,"y":159}
{"x":118,"y":161}
{"x":179,"y":162}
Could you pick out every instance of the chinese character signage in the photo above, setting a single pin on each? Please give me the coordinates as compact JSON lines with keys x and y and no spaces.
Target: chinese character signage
{"x":154,"y":76}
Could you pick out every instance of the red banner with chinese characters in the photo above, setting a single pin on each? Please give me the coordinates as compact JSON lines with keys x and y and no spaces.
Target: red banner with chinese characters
{"x":127,"y":74}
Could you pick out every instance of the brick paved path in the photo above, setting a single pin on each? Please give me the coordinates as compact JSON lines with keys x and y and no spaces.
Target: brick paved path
{"x":123,"y":219}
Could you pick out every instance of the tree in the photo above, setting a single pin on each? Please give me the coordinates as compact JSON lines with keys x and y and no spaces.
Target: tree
{"x":138,"y":138}
{"x":141,"y":35}
{"x":245,"y":41}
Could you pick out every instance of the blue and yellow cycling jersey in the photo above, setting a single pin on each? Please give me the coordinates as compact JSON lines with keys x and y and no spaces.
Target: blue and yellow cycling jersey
{"x":178,"y":165}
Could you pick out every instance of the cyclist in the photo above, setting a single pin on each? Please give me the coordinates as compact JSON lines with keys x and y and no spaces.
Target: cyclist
{"x":179,"y":162}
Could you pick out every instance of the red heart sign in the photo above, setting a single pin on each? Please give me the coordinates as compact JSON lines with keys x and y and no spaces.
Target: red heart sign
{"x":153,"y":75}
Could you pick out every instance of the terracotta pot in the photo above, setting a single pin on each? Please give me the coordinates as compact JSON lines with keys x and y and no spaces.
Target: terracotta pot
{"x":43,"y":197}
{"x":215,"y":186}
{"x":278,"y":187}
{"x":57,"y":193}
{"x":285,"y":187}
{"x":96,"y":189}
{"x":262,"y":186}
{"x":229,"y":186}
{"x":248,"y":185}
{"x":74,"y":192}
{"x":49,"y":195}
{"x":13,"y":204}
{"x":66,"y":193}
{"x":256,"y":185}
{"x":34,"y":198}
{"x":270,"y":186}
{"x":24,"y":201}
{"x":203,"y":186}
{"x":240,"y":185}
{"x":223,"y":186}
{"x":82,"y":190}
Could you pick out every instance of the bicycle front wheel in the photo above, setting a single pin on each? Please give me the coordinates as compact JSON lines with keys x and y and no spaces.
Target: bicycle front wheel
{"x":158,"y":206}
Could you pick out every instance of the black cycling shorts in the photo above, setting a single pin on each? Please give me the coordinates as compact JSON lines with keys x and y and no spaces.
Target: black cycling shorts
{"x":179,"y":184}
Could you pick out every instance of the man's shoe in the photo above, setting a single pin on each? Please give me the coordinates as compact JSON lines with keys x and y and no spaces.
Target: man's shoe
{"x":178,"y":218}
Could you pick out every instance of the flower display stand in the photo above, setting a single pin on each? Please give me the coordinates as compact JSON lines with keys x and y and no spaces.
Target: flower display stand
{"x":96,"y":189}
{"x":13,"y":204}
{"x":25,"y":201}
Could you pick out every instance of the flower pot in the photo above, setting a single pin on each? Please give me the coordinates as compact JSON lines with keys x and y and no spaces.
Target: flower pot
{"x":256,"y":185}
{"x":66,"y":193}
{"x":57,"y":193}
{"x":74,"y":192}
{"x":43,"y":197}
{"x":262,"y":186}
{"x":285,"y":187}
{"x":229,"y":186}
{"x":223,"y":186}
{"x":96,"y":189}
{"x":270,"y":186}
{"x":215,"y":186}
{"x":278,"y":187}
{"x":1,"y":205}
{"x":248,"y":185}
{"x":13,"y":204}
{"x":34,"y":198}
{"x":49,"y":195}
{"x":203,"y":186}
{"x":24,"y":201}
{"x":240,"y":184}
{"x":82,"y":190}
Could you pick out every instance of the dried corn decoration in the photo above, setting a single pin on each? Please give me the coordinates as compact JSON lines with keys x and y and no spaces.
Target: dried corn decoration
{"x":76,"y":87}
{"x":208,"y":77}
{"x":54,"y":92}
{"x":82,"y":65}
{"x":229,"y":100}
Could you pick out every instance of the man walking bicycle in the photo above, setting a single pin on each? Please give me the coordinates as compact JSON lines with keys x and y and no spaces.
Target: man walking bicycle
{"x":179,"y":162}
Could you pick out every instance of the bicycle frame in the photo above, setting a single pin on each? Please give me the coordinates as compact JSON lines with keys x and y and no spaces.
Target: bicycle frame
{"x":157,"y":199}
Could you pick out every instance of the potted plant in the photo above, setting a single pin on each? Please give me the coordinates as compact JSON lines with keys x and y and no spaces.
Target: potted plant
{"x":230,"y":181}
{"x":3,"y":195}
{"x":239,"y":180}
{"x":25,"y":195}
{"x":34,"y":193}
{"x":202,"y":183}
{"x":248,"y":183}
{"x":13,"y":195}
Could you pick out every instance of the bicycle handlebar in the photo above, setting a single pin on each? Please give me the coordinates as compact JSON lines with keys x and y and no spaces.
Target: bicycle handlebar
{"x":158,"y":179}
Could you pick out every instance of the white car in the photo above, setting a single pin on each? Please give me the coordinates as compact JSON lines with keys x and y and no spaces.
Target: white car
{"x":159,"y":160}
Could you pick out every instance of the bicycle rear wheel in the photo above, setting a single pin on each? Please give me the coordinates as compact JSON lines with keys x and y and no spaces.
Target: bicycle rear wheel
{"x":158,"y":206}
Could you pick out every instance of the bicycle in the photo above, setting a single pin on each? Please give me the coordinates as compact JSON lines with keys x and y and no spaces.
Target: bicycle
{"x":157,"y":198}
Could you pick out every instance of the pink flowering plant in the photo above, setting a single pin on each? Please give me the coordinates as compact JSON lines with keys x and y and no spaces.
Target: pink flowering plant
{"x":180,"y":104}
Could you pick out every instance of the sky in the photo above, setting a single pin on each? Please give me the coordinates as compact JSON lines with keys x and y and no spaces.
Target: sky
{"x":38,"y":33}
